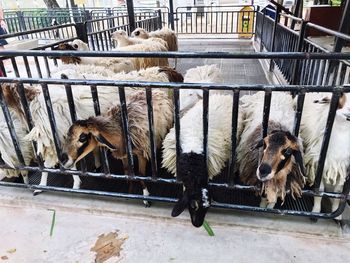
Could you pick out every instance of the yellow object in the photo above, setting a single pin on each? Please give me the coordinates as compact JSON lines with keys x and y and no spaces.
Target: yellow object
{"x":80,"y":2}
{"x":245,"y":22}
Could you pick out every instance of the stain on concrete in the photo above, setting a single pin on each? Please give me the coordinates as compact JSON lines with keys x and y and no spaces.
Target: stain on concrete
{"x":108,"y":246}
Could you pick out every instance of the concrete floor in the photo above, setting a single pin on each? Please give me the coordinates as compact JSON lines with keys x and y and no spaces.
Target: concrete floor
{"x":136,"y":234}
{"x":151,"y":235}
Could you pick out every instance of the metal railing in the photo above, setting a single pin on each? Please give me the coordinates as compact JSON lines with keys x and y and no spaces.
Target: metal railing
{"x":29,"y":67}
{"x":215,"y":20}
{"x":290,"y":35}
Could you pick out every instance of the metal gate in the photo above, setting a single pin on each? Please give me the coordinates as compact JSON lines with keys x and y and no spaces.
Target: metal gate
{"x":34,"y":67}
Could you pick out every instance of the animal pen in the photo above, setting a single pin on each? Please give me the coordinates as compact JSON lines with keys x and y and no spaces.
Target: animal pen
{"x":306,"y":67}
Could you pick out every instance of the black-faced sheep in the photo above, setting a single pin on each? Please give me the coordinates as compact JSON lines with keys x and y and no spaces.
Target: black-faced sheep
{"x":192,"y":164}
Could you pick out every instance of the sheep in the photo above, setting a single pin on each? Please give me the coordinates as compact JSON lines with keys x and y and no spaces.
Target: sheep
{"x":8,"y":153}
{"x":192,"y":170}
{"x":116,"y":64}
{"x":106,"y":130}
{"x":112,"y":63}
{"x":165,"y":33}
{"x":41,"y":132}
{"x":149,"y":45}
{"x":312,"y":129}
{"x":275,"y":171}
{"x":121,"y":37}
{"x":200,"y":74}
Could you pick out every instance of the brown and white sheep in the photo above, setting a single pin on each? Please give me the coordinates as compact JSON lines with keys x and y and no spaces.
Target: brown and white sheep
{"x":107,"y":130}
{"x":278,"y":166}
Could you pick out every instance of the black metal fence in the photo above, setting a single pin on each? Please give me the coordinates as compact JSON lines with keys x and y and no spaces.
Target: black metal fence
{"x":35,"y":67}
{"x":236,"y":20}
{"x":286,"y":33}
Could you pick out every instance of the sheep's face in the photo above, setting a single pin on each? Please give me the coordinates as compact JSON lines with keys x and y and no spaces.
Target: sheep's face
{"x":119,"y":34}
{"x":196,"y":196}
{"x":78,"y":144}
{"x":67,"y":60}
{"x":276,"y":160}
{"x":139,"y":33}
{"x":79,"y":45}
{"x":83,"y":137}
{"x":343,"y":112}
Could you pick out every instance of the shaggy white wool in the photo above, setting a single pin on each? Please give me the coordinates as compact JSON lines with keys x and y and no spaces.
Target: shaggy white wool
{"x":200,"y":74}
{"x":313,"y":124}
{"x":191,"y":134}
{"x":108,"y":96}
{"x":7,"y":150}
{"x":165,"y":33}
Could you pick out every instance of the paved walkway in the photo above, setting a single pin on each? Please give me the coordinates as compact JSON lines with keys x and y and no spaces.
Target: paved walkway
{"x":125,"y":231}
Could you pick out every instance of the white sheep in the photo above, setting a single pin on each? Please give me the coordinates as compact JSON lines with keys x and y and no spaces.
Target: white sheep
{"x":280,"y":165}
{"x":191,"y":160}
{"x":122,"y":39}
{"x":7,"y":150}
{"x":312,"y":129}
{"x":147,"y":45}
{"x":166,"y":34}
{"x":200,"y":74}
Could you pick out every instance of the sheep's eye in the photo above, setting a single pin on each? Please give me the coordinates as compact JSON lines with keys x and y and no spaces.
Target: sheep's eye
{"x":83,"y":137}
{"x":137,"y":33}
{"x":75,"y":46}
{"x":287,"y":152}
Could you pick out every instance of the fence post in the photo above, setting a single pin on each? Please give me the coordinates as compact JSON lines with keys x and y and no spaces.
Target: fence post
{"x":171,"y":15}
{"x":21,"y":22}
{"x":272,"y":47}
{"x":131,"y":14}
{"x":262,"y":31}
{"x":296,"y":68}
{"x":81,"y":31}
{"x":160,"y":25}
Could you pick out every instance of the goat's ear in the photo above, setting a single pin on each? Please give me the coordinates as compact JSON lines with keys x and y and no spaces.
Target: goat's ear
{"x":180,"y":205}
{"x":101,"y":139}
{"x":260,"y":144}
{"x":299,"y":160}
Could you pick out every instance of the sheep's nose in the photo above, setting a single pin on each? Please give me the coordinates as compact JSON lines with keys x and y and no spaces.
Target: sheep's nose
{"x":264,"y":170}
{"x":64,"y":158}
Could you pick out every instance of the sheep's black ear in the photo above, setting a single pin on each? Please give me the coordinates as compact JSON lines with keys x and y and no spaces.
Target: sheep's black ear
{"x":180,"y":206}
{"x":101,"y":139}
{"x":260,"y":144}
{"x":299,"y":160}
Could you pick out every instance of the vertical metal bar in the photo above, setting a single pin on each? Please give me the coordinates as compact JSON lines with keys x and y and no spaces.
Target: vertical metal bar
{"x":343,"y":28}
{"x":2,"y":68}
{"x":177,"y":125}
{"x":278,"y":10}
{"x":125,"y":124}
{"x":29,"y":119}
{"x":103,"y":152}
{"x":47,"y":67}
{"x":11,"y":128}
{"x":14,"y":65}
{"x":36,"y":60}
{"x":298,"y":113}
{"x":266,"y":114}
{"x":151,"y":132}
{"x":234,"y":124}
{"x":52,"y":120}
{"x":205,"y":124}
{"x":131,"y":15}
{"x":327,"y":134}
{"x":296,"y":69}
{"x":262,"y":31}
{"x":26,"y":64}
